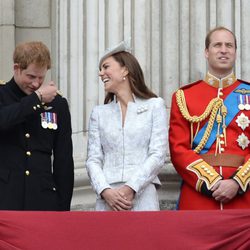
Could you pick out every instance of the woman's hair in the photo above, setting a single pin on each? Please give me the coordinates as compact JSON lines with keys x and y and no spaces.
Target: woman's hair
{"x":209,"y":34}
{"x":135,"y":76}
{"x":32,"y":52}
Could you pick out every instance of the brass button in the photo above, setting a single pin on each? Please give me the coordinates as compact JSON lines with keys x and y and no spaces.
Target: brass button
{"x":38,"y":106}
{"x":34,"y":107}
{"x":28,"y":153}
{"x":27,"y":172}
{"x":27,"y":135}
{"x":54,"y":189}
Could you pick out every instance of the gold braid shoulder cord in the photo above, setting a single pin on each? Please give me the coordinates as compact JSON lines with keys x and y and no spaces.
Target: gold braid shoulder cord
{"x":213,"y":109}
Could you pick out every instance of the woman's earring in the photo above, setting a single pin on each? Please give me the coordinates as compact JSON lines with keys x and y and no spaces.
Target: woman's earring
{"x":124,"y":78}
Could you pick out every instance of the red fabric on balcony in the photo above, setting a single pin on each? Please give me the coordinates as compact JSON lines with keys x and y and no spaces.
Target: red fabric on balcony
{"x":228,"y":229}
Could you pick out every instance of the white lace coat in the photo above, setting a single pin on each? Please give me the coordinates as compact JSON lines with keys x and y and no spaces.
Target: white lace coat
{"x":132,"y":154}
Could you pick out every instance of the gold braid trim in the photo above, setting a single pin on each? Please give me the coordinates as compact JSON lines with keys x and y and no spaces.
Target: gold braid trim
{"x":243,"y":176}
{"x":212,"y":109}
{"x":205,"y":173}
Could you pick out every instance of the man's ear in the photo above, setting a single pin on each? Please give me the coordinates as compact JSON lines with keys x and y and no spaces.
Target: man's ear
{"x":16,"y":67}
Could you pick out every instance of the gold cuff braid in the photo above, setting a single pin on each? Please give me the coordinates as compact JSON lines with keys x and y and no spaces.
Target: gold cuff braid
{"x":243,"y":176}
{"x":204,"y":172}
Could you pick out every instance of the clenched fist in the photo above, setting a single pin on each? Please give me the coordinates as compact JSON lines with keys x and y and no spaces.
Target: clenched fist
{"x":47,"y":92}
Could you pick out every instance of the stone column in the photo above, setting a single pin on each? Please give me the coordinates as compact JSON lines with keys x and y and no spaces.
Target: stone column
{"x":167,"y":37}
{"x":7,"y":38}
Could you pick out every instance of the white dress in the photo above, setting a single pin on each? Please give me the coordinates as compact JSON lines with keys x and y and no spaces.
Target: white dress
{"x":132,"y":154}
{"x":145,"y":201}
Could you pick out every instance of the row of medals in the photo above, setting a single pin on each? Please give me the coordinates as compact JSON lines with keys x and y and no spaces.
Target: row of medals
{"x":243,"y":102}
{"x":49,"y":120}
{"x":242,"y":120}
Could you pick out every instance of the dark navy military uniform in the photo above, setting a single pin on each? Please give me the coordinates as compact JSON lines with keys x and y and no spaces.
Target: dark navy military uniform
{"x":36,"y":163}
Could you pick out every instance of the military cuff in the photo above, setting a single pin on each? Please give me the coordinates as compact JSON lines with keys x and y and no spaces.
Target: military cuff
{"x":205,"y":191}
{"x":205,"y":173}
{"x":242,"y":176}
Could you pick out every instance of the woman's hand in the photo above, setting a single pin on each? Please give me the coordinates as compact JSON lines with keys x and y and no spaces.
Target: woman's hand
{"x":127,"y":192}
{"x":116,"y":200}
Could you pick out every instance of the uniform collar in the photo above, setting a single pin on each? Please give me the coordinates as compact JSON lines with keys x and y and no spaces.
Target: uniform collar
{"x":220,"y":83}
{"x":15,"y":88}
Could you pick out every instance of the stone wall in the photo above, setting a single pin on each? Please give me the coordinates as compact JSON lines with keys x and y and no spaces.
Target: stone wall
{"x":167,"y":37}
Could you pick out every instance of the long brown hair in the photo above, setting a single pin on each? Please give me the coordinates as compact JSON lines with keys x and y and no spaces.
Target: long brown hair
{"x":135,"y":77}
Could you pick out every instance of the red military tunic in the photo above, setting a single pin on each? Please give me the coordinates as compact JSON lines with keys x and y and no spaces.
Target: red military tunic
{"x":233,"y":151}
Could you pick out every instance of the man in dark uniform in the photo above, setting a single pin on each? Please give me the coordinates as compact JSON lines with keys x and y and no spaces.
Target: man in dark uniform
{"x":36,"y":163}
{"x":209,"y":132}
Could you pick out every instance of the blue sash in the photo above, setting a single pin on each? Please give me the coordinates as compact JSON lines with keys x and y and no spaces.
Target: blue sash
{"x":231,"y":102}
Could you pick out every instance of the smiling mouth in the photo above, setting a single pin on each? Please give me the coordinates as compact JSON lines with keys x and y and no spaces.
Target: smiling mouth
{"x":223,"y":58}
{"x":105,"y":80}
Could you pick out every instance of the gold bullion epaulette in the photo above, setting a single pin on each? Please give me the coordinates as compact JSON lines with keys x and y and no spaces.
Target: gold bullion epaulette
{"x":243,"y":176}
{"x":205,"y":173}
{"x":2,"y":82}
{"x":59,"y":92}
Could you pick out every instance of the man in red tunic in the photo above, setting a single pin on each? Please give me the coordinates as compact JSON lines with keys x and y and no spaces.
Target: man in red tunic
{"x":209,"y":133}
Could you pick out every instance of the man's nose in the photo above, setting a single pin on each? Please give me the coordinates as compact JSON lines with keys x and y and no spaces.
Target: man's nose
{"x":224,"y":48}
{"x":36,"y":83}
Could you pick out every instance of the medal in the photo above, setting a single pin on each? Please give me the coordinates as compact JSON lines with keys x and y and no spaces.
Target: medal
{"x":50,"y":125}
{"x":44,"y":124}
{"x":247,"y":105}
{"x":242,"y":121}
{"x":243,"y":141}
{"x":54,"y":126}
{"x":43,"y":121}
{"x":49,"y":118}
{"x":54,"y":118}
{"x":241,"y":105}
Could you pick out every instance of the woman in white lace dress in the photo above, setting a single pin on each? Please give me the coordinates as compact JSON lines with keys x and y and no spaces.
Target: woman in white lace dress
{"x":127,"y":139}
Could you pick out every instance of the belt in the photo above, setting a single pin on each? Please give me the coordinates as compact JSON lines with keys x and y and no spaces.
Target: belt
{"x":229,"y":160}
